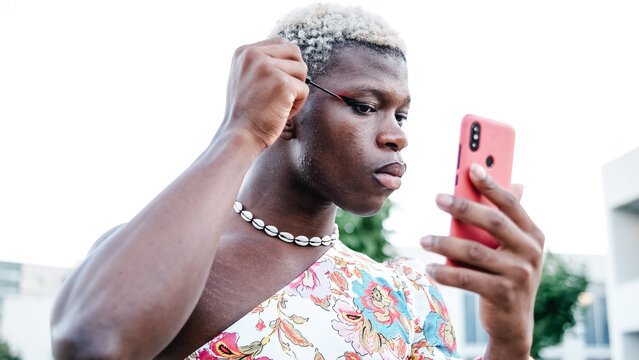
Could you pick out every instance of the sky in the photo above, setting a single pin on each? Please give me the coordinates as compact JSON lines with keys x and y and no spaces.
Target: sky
{"x":102,"y":104}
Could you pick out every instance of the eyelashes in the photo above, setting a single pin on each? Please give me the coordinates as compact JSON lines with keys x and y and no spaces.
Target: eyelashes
{"x":359,"y":107}
{"x":363,"y":108}
{"x":401,"y":119}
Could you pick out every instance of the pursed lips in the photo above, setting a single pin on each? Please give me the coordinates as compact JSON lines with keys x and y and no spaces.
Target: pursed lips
{"x":390,"y":175}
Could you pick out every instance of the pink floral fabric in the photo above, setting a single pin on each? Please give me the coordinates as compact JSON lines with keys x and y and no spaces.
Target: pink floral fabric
{"x":345,"y":306}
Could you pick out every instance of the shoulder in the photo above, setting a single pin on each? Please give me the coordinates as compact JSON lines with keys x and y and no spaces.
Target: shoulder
{"x":404,"y":269}
{"x":410,"y":268}
{"x":106,"y":236}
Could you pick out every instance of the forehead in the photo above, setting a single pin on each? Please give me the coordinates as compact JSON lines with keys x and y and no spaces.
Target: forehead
{"x":362,"y":67}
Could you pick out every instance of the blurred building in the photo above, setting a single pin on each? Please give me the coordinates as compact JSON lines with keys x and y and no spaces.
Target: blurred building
{"x":27,"y":293}
{"x":621,"y":192}
{"x":588,"y":340}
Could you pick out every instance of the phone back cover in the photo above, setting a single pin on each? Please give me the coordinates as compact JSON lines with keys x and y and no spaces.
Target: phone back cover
{"x":496,"y":140}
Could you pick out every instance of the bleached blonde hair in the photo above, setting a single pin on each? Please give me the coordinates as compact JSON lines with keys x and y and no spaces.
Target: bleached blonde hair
{"x":320,"y":28}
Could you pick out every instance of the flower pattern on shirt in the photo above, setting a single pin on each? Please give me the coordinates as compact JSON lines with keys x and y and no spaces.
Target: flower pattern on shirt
{"x":224,"y":346}
{"x":384,"y":306}
{"x":357,"y":330}
{"x":312,"y":282}
{"x":438,"y":330}
{"x":344,"y":306}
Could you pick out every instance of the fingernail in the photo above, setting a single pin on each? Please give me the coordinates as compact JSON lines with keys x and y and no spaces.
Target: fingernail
{"x":427,"y":241}
{"x":478,"y":171}
{"x":444,"y":200}
{"x":430,"y":269}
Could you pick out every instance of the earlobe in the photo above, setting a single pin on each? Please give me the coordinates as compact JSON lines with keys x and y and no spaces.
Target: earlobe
{"x":289,"y":129}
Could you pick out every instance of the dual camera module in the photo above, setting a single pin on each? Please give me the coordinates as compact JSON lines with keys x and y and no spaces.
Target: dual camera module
{"x":475,"y":131}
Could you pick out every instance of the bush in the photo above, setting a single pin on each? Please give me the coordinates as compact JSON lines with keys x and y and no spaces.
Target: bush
{"x":556,"y":302}
{"x":5,"y":352}
{"x":365,"y":234}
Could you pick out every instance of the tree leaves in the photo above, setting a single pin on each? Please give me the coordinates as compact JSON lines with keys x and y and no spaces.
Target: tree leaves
{"x":6,"y":353}
{"x":365,"y":234}
{"x":556,"y":302}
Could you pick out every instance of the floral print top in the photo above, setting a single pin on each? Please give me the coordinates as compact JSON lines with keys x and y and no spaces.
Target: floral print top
{"x":345,"y":306}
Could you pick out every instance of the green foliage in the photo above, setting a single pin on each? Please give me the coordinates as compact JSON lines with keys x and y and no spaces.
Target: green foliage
{"x":5,"y":352}
{"x":556,"y":302}
{"x":365,"y":234}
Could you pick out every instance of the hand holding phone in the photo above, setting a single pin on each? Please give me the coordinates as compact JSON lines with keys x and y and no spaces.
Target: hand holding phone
{"x":490,"y":144}
{"x":505,"y":274}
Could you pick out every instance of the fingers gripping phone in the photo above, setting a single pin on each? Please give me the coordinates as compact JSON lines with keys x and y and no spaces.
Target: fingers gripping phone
{"x":490,"y":144}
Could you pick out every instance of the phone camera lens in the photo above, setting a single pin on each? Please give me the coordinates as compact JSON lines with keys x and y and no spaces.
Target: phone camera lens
{"x":490,"y":161}
{"x":474,"y":136}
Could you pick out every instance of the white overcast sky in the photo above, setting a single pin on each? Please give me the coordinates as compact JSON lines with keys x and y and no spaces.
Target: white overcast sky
{"x":103,"y":103}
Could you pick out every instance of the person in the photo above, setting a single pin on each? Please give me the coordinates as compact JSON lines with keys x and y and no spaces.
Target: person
{"x":239,"y":257}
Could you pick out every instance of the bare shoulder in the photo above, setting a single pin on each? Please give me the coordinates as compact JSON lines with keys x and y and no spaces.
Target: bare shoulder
{"x":102,"y":239}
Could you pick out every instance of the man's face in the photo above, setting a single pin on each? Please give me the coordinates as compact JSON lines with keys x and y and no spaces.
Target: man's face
{"x":346,"y":153}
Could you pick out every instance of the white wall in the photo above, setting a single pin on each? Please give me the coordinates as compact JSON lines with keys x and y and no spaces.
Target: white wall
{"x":25,"y":326}
{"x":621,"y":190}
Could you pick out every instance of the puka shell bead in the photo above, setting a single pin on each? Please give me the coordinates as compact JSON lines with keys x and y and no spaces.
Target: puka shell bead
{"x":237,"y":207}
{"x":258,"y":224}
{"x":301,"y":240}
{"x":270,"y":230}
{"x":246,"y":215}
{"x":284,"y":236}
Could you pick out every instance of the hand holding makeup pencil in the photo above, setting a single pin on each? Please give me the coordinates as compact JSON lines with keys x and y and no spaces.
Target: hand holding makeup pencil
{"x":266,"y":87}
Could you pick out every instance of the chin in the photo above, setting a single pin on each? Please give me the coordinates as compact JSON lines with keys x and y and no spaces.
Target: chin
{"x":368,"y":207}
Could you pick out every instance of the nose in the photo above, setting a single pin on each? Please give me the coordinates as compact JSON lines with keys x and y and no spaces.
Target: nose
{"x":390,"y":135}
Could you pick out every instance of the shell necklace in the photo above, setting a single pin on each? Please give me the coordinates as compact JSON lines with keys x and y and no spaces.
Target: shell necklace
{"x":270,"y":230}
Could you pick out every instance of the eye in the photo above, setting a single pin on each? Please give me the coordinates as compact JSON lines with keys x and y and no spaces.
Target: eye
{"x":359,"y":107}
{"x":401,"y":119}
{"x":362,"y":108}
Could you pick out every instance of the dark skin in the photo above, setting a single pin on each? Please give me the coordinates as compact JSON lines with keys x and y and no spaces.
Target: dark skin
{"x":306,"y":154}
{"x":376,"y":138}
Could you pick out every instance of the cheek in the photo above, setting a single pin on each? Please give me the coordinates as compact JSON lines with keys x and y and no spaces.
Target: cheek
{"x":333,"y":157}
{"x":344,"y":143}
{"x":334,"y":143}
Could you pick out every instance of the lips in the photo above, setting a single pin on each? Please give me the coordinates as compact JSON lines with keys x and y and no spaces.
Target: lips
{"x":390,"y":175}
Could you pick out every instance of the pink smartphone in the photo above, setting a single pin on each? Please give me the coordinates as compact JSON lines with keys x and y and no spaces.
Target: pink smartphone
{"x":490,"y":144}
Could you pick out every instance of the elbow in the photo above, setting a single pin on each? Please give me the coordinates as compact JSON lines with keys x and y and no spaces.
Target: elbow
{"x":83,"y":344}
{"x":78,"y":334}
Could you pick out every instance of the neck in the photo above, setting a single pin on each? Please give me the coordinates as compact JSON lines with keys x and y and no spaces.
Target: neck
{"x":273,"y":193}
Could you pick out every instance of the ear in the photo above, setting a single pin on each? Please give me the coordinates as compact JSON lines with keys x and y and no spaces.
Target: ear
{"x":289,"y":129}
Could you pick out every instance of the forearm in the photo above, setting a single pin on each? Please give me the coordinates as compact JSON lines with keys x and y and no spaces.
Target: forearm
{"x":139,"y":287}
